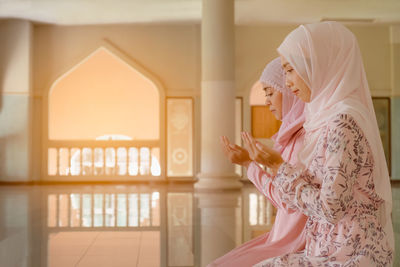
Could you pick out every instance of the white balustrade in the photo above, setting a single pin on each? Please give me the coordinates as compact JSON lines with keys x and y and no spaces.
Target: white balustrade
{"x":104,"y":158}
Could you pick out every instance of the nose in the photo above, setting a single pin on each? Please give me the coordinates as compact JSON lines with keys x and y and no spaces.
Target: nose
{"x":289,"y":83}
{"x":267,"y":101}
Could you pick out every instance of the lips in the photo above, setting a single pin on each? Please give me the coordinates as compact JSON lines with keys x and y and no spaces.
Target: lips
{"x":295,"y":91}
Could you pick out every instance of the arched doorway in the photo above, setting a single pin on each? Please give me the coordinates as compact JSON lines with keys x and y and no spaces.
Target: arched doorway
{"x":104,"y":122}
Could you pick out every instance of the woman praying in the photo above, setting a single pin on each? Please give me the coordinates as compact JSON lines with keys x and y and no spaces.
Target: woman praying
{"x":341,"y":182}
{"x":287,"y":233}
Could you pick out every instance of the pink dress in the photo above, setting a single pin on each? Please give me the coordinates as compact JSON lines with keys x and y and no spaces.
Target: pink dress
{"x":287,"y":234}
{"x":337,"y":193}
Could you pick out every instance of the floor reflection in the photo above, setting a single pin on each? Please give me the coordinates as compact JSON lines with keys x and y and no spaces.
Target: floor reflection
{"x":126,"y":225}
{"x":180,"y":229}
{"x":103,"y":209}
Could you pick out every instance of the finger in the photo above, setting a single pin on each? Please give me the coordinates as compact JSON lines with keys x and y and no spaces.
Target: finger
{"x":224,"y":146}
{"x":227,"y":139}
{"x":263,"y":156}
{"x":262,"y":150}
{"x":246,"y":142}
{"x":259,"y":154}
{"x":231,"y":148}
{"x":246,"y":138}
{"x":252,"y":142}
{"x":229,"y":145}
{"x":251,"y":139}
{"x":235,"y":148}
{"x":234,"y":151}
{"x":222,"y":140}
{"x":243,"y":137}
{"x":272,"y":153}
{"x":252,"y":153}
{"x":226,"y":143}
{"x":225,"y":150}
{"x":263,"y":147}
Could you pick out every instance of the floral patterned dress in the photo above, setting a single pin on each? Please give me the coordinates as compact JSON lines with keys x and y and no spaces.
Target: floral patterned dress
{"x":337,"y":193}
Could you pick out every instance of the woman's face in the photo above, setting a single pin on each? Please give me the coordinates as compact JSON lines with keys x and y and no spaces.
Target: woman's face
{"x":295,"y":83}
{"x":273,"y":99}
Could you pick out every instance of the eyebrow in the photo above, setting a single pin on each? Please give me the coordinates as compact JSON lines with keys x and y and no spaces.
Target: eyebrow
{"x":284,"y":65}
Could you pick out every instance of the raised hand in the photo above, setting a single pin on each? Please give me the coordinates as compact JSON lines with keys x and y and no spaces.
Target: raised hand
{"x":236,"y":154}
{"x":262,"y":153}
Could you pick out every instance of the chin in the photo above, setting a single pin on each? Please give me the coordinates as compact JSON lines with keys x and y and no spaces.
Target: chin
{"x":302,"y":98}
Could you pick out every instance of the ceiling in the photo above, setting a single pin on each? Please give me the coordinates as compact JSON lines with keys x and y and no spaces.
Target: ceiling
{"x":83,"y":12}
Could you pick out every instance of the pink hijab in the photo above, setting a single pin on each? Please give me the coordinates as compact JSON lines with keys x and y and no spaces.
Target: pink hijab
{"x":292,"y":107}
{"x":327,"y":57}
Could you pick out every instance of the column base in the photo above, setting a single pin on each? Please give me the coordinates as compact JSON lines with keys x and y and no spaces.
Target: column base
{"x":217,"y":181}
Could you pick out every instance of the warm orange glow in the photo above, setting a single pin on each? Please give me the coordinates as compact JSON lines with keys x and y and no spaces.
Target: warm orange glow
{"x":103,"y":95}
{"x":263,"y":122}
{"x":97,"y":248}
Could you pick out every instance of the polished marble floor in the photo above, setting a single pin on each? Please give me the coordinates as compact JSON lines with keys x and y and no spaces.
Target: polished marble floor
{"x":131,"y":225}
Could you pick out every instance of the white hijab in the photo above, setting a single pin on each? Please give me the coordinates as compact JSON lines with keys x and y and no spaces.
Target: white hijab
{"x":327,"y":57}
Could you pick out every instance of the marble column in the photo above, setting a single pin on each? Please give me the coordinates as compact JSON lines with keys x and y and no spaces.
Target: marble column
{"x":15,"y":100}
{"x":217,"y":94}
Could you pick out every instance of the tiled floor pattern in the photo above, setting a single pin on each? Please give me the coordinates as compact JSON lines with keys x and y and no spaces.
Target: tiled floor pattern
{"x":98,"y":249}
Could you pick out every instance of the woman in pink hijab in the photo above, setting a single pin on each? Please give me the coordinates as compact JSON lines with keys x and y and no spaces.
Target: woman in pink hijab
{"x":342,"y":181}
{"x":287,"y":234}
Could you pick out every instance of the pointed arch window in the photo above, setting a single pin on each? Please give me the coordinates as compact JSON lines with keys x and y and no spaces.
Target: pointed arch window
{"x":91,"y":107}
